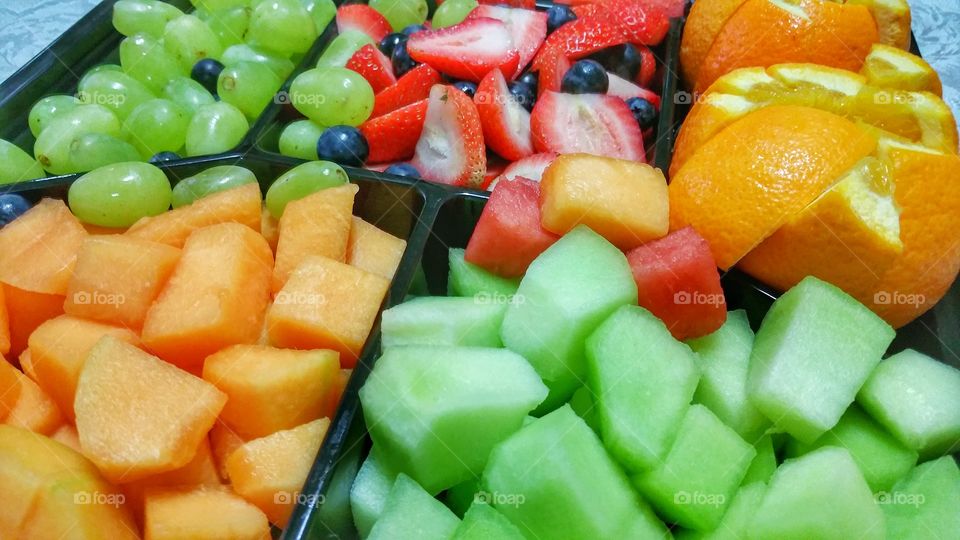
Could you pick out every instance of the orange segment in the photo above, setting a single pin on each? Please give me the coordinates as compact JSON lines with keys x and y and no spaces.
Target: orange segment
{"x":28,"y":310}
{"x":39,"y":249}
{"x":891,"y":67}
{"x":704,"y":22}
{"x":201,"y":514}
{"x":892,"y":18}
{"x":373,"y":250}
{"x":34,"y":410}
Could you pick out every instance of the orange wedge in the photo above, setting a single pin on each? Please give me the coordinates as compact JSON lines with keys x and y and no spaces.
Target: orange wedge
{"x":890,"y":67}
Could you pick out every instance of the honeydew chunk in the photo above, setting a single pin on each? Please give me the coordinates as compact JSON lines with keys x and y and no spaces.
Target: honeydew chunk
{"x":764,"y":464}
{"x":483,"y":522}
{"x":925,"y":503}
{"x":444,"y":321}
{"x":736,"y":521}
{"x":369,"y":493}
{"x":410,"y":513}
{"x":467,"y":279}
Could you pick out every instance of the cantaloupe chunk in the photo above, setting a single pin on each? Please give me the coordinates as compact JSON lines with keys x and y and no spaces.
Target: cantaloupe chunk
{"x":138,"y":415}
{"x":26,"y":365}
{"x":28,"y":310}
{"x":270,"y":471}
{"x":269,"y":228}
{"x":238,"y":205}
{"x":223,"y":441}
{"x":4,"y":325}
{"x":58,"y":349}
{"x":97,"y":230}
{"x":326,"y":305}
{"x":117,"y":278}
{"x":38,"y":249}
{"x":199,"y":471}
{"x":34,"y":410}
{"x":9,"y":387}
{"x":201,"y":514}
{"x":336,"y":392}
{"x":373,"y":250}
{"x":626,"y":202}
{"x":271,"y":389}
{"x":67,"y":435}
{"x":318,"y":224}
{"x":216,"y":297}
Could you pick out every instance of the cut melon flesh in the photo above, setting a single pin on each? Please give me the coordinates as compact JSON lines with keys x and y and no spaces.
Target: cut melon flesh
{"x":821,"y":495}
{"x":369,"y":493}
{"x":764,"y":464}
{"x":700,"y":474}
{"x":926,"y":503}
{"x":470,"y":322}
{"x":813,"y":352}
{"x":467,"y":279}
{"x":582,"y":404}
{"x":735,"y":524}
{"x":554,"y":480}
{"x":410,"y":513}
{"x":483,"y":522}
{"x":643,"y":381}
{"x":723,"y":358}
{"x":436,"y":412}
{"x":566,"y":293}
{"x":460,"y":497}
{"x":202,"y":513}
{"x":918,"y":400}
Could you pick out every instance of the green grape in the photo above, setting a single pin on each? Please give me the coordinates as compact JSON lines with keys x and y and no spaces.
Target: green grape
{"x":99,"y":69}
{"x":143,"y":16}
{"x":44,"y":111}
{"x":144,"y":58}
{"x":52,"y":148}
{"x":217,"y":5}
{"x":230,"y":25}
{"x":339,"y":51}
{"x":332,"y":96}
{"x":187,"y":93}
{"x":215,"y":128}
{"x":321,"y":11}
{"x":281,"y":65}
{"x":119,"y":194}
{"x":401,"y":13}
{"x":189,"y":39}
{"x":17,"y":165}
{"x":301,"y":181}
{"x":210,"y":181}
{"x":119,"y":92}
{"x":299,"y":139}
{"x":156,"y":126}
{"x":282,"y":25}
{"x":247,"y":86}
{"x":452,"y":12}
{"x":93,"y":150}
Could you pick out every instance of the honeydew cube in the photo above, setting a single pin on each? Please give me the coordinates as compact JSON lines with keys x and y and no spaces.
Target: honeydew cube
{"x":582,"y":404}
{"x":461,"y":497}
{"x":735,"y":524}
{"x":444,"y":321}
{"x":925,"y":503}
{"x":764,"y":464}
{"x":468,"y":279}
{"x":369,"y":493}
{"x":410,"y":513}
{"x":483,"y":522}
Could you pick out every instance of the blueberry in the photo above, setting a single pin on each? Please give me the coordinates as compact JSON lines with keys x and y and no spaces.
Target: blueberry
{"x":643,"y":111}
{"x":401,"y":60}
{"x":344,"y":145}
{"x":585,"y":77}
{"x":530,"y":79}
{"x":413,"y":29}
{"x":403,"y":169}
{"x":622,"y":60}
{"x":389,"y":43}
{"x":466,"y":87}
{"x":206,"y":72}
{"x":12,"y":206}
{"x":558,"y":16}
{"x":524,"y":94}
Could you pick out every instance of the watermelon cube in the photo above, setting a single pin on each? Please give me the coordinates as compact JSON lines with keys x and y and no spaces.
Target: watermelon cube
{"x":554,"y":480}
{"x":436,"y":412}
{"x":918,"y":400}
{"x":813,"y":352}
{"x":643,"y":380}
{"x":821,"y":495}
{"x":467,"y":279}
{"x":723,"y":358}
{"x":925,"y":503}
{"x":369,"y":492}
{"x":764,"y":464}
{"x":410,"y":513}
{"x":444,"y":321}
{"x":701,"y":472}
{"x":567,"y":292}
{"x":483,"y":522}
{"x":735,"y":524}
{"x":677,"y":281}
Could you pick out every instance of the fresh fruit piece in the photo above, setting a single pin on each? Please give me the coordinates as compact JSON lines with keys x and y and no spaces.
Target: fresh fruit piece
{"x":924,"y":502}
{"x":125,"y":394}
{"x":199,"y":472}
{"x":252,"y":377}
{"x":394,"y":136}
{"x":591,"y":123}
{"x":893,"y":21}
{"x":470,"y":280}
{"x":284,"y":24}
{"x":4,"y":325}
{"x":410,"y":512}
{"x":677,"y":281}
{"x":468,"y":50}
{"x":506,"y":124}
{"x":452,"y":12}
{"x":215,"y":128}
{"x":120,"y":194}
{"x":464,"y":322}
{"x":735,"y":523}
{"x":332,"y":96}
{"x":372,"y":65}
{"x":559,"y":15}
{"x":914,"y":397}
{"x":402,"y":13}
{"x":530,"y":167}
{"x":67,"y":435}
{"x":302,"y":181}
{"x":436,"y":412}
{"x":363,"y":18}
{"x":39,"y":249}
{"x":585,"y":77}
{"x":34,"y":409}
{"x":412,"y":87}
{"x":820,"y":495}
{"x":269,"y":472}
{"x":31,"y":310}
{"x":9,"y":388}
{"x":223,"y":441}
{"x":482,"y":521}
{"x":339,"y":51}
{"x":210,"y":181}
{"x":627,"y":90}
{"x":554,"y":66}
{"x":299,"y":139}
{"x":527,"y":27}
{"x":793,"y":379}
{"x":335,"y":393}
{"x":215,"y":298}
{"x":202,"y":513}
{"x":17,"y":164}
{"x":509,"y":236}
{"x":326,"y":304}
{"x":344,"y":145}
{"x":369,"y":492}
{"x":451,"y":149}
{"x":373,"y":250}
{"x":592,"y":499}
{"x":117,"y":278}
{"x":582,"y":403}
{"x":567,"y":292}
{"x":764,"y":464}
{"x":624,"y":376}
{"x":892,"y":67}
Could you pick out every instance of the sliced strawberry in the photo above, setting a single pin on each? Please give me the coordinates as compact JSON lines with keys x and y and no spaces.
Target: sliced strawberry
{"x":451,"y":149}
{"x":625,"y":90}
{"x":527,"y":29}
{"x":394,"y":136}
{"x":506,"y":124}
{"x":363,"y":18}
{"x":648,"y":66}
{"x":642,"y":21}
{"x":468,"y":50}
{"x":411,"y":88}
{"x":554,"y":67}
{"x":587,"y":10}
{"x":525,"y":4}
{"x":374,"y":66}
{"x":592,"y":123}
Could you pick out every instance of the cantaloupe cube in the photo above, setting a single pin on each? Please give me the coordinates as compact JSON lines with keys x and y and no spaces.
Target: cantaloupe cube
{"x":318,"y":224}
{"x":271,"y":389}
{"x":327,"y":305}
{"x":269,"y":228}
{"x":58,"y":349}
{"x":67,"y":435}
{"x":4,"y":325}
{"x":117,"y":278}
{"x":336,"y":392}
{"x":223,"y":441}
{"x":9,"y":387}
{"x":199,"y":471}
{"x":34,"y":410}
{"x":201,"y":514}
{"x":28,"y":310}
{"x":138,"y":415}
{"x":26,"y":365}
{"x":270,"y":471}
{"x":38,"y":250}
{"x":373,"y":250}
{"x":216,"y":297}
{"x":98,"y":230}
{"x":626,"y":202}
{"x":238,"y":205}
